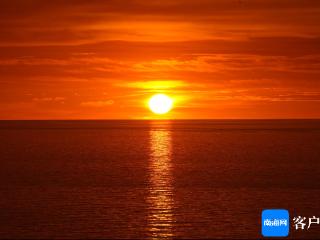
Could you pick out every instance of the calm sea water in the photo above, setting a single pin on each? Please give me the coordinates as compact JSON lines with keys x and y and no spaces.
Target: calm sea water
{"x":153,"y":179}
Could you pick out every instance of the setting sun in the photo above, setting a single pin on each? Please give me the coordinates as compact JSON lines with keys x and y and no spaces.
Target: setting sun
{"x":160,"y":103}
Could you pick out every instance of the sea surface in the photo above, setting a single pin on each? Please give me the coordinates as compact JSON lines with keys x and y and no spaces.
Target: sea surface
{"x":156,"y":179}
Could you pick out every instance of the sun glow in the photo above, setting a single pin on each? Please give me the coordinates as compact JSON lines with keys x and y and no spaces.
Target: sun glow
{"x":160,"y":103}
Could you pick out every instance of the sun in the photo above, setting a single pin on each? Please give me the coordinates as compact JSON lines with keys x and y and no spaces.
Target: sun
{"x":160,"y":103}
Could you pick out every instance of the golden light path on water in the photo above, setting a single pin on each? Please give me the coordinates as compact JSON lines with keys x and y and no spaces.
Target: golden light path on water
{"x":160,"y":197}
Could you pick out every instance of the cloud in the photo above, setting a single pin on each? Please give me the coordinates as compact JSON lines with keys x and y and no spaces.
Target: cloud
{"x":232,"y":62}
{"x":154,"y":85}
{"x":48,"y":99}
{"x":102,"y":103}
{"x":36,"y":22}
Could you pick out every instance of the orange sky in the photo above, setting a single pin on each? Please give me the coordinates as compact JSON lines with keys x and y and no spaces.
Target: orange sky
{"x":103,"y":59}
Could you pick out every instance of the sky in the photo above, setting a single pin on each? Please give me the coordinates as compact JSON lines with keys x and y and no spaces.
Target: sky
{"x":96,"y":59}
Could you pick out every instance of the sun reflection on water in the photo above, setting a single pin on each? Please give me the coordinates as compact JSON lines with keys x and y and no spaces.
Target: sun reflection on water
{"x":160,"y":197}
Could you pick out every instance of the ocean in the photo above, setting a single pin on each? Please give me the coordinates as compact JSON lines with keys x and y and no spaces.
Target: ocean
{"x":156,"y":179}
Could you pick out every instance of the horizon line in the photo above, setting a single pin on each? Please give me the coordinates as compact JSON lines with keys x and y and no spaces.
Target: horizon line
{"x":159,"y":119}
